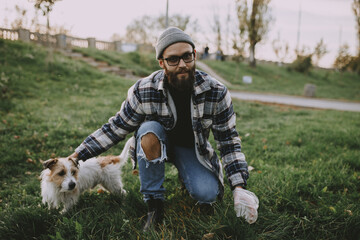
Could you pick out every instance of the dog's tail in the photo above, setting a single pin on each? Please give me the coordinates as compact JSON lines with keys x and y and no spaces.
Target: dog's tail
{"x":125,"y":152}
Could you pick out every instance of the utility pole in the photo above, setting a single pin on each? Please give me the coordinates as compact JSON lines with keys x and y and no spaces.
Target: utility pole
{"x":340,"y":36}
{"x":167,"y":14}
{"x":298,"y":31}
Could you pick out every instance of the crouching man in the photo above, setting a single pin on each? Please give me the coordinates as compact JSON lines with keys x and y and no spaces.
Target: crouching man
{"x":172,"y":112}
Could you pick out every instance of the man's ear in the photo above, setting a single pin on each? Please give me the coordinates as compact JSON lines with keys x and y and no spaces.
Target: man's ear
{"x":162,"y":63}
{"x":195,"y":54}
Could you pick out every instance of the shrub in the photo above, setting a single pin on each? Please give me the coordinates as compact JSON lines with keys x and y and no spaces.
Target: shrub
{"x":302,"y":63}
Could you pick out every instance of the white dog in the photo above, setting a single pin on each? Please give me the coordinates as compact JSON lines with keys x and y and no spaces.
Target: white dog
{"x":63,"y":180}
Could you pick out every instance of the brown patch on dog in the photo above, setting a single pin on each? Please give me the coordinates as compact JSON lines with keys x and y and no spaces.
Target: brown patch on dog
{"x":58,"y":170}
{"x":106,"y":160}
{"x":151,"y":146}
{"x":50,"y":163}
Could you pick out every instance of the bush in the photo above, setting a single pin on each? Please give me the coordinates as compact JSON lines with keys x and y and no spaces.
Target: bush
{"x":345,"y":62}
{"x":355,"y":64}
{"x":302,"y":64}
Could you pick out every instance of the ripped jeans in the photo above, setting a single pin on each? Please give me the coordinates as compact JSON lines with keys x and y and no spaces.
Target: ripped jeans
{"x":201,"y":183}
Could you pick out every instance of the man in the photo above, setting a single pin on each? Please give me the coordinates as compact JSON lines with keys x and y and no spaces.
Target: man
{"x":172,"y":112}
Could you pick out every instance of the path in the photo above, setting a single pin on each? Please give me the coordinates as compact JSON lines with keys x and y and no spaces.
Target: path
{"x":284,"y":99}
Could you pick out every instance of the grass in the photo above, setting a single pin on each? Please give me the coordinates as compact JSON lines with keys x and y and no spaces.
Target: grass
{"x":307,"y":169}
{"x":271,"y":78}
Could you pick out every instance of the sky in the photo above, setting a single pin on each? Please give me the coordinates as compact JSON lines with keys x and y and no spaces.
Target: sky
{"x":330,"y":20}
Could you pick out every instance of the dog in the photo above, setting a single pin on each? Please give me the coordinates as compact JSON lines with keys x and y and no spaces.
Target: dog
{"x":63,"y":180}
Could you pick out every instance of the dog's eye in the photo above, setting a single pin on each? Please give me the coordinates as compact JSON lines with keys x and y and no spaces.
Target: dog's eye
{"x":73,"y":172}
{"x":62,"y":173}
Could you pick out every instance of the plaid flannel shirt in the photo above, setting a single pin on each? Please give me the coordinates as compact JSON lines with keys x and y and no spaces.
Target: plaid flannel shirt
{"x":149,"y":100}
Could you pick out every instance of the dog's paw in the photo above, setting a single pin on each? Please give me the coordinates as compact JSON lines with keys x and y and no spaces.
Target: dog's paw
{"x":123,"y":192}
{"x":62,"y":212}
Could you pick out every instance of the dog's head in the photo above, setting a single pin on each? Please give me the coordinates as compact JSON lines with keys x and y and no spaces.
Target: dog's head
{"x":63,"y":173}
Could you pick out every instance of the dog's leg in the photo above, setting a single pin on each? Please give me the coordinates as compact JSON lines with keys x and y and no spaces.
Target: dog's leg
{"x":114,"y":186}
{"x":69,"y":200}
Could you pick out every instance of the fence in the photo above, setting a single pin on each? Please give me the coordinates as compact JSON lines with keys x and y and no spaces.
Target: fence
{"x":63,"y":41}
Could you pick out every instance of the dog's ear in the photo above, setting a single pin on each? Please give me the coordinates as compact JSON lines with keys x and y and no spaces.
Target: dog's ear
{"x":75,"y":161}
{"x":50,"y":163}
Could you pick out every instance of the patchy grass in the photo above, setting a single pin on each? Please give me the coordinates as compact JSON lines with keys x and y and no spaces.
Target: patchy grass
{"x":307,"y":171}
{"x":142,"y":64}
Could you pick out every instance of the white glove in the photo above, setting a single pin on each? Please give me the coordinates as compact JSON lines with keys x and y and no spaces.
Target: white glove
{"x":246,"y":204}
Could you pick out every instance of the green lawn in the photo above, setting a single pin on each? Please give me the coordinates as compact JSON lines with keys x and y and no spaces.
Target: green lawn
{"x":307,"y":168}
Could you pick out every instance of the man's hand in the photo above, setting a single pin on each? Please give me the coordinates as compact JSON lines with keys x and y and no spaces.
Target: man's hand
{"x":245,"y":204}
{"x":74,"y":155}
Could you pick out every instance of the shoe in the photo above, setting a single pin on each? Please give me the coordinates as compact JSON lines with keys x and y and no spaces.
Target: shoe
{"x":155,"y":215}
{"x":206,"y":209}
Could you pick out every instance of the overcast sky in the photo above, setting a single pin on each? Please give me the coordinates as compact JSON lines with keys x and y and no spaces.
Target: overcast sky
{"x":332,"y":20}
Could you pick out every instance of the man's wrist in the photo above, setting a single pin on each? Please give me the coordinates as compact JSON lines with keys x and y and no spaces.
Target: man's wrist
{"x":74,"y":155}
{"x":241,"y":185}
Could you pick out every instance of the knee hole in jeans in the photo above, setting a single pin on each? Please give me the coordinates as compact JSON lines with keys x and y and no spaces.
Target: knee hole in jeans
{"x":151,"y":146}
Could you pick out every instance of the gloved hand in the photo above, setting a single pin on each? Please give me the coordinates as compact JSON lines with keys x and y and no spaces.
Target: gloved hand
{"x":246,"y":204}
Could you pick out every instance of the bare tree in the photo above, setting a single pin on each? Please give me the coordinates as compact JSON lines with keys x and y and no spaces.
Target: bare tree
{"x":142,"y":31}
{"x":320,"y":51}
{"x":146,"y":29}
{"x":356,"y":10}
{"x":46,"y":7}
{"x":21,"y":18}
{"x":343,"y":59}
{"x":281,"y":49}
{"x":217,"y":30}
{"x":240,"y":39}
{"x":254,"y":22}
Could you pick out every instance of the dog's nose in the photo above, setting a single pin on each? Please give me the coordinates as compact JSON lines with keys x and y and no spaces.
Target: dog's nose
{"x":72,"y":185}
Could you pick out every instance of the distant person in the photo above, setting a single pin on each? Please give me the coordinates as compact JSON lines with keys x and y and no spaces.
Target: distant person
{"x":172,"y":112}
{"x":206,"y":52}
{"x":220,"y":55}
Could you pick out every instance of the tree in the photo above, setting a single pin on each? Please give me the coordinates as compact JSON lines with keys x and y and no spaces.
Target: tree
{"x":21,"y":19}
{"x":356,"y":10}
{"x":255,"y":23}
{"x":343,"y":59}
{"x":217,"y":30}
{"x":281,"y":49}
{"x":320,"y":51}
{"x":240,"y":39}
{"x":46,"y":7}
{"x":146,"y":29}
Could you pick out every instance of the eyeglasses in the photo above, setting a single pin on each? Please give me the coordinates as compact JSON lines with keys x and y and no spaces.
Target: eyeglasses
{"x":174,"y":60}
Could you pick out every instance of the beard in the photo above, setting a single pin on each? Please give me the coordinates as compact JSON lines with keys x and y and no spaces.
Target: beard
{"x":182,"y":79}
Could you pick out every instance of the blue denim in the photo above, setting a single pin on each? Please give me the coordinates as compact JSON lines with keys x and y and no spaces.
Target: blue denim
{"x":201,"y":183}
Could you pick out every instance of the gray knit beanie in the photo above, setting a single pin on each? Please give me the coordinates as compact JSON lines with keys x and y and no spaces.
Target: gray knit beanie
{"x":170,"y":36}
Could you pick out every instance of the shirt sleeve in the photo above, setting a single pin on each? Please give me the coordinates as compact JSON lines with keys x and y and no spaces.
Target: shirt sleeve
{"x":228,"y":141}
{"x":115,"y":130}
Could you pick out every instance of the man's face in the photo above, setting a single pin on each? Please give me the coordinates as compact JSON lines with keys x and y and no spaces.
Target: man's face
{"x":181,"y":76}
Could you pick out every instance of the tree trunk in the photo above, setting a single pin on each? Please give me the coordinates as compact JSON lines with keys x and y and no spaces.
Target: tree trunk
{"x":252,"y":59}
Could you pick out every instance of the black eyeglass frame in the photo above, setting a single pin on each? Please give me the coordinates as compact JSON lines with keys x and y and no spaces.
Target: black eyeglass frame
{"x":181,"y":57}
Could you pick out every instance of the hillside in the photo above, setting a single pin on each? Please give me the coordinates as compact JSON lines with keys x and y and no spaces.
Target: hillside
{"x":270,"y":78}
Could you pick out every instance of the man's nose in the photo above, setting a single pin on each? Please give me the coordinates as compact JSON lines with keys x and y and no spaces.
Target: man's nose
{"x":182,"y":63}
